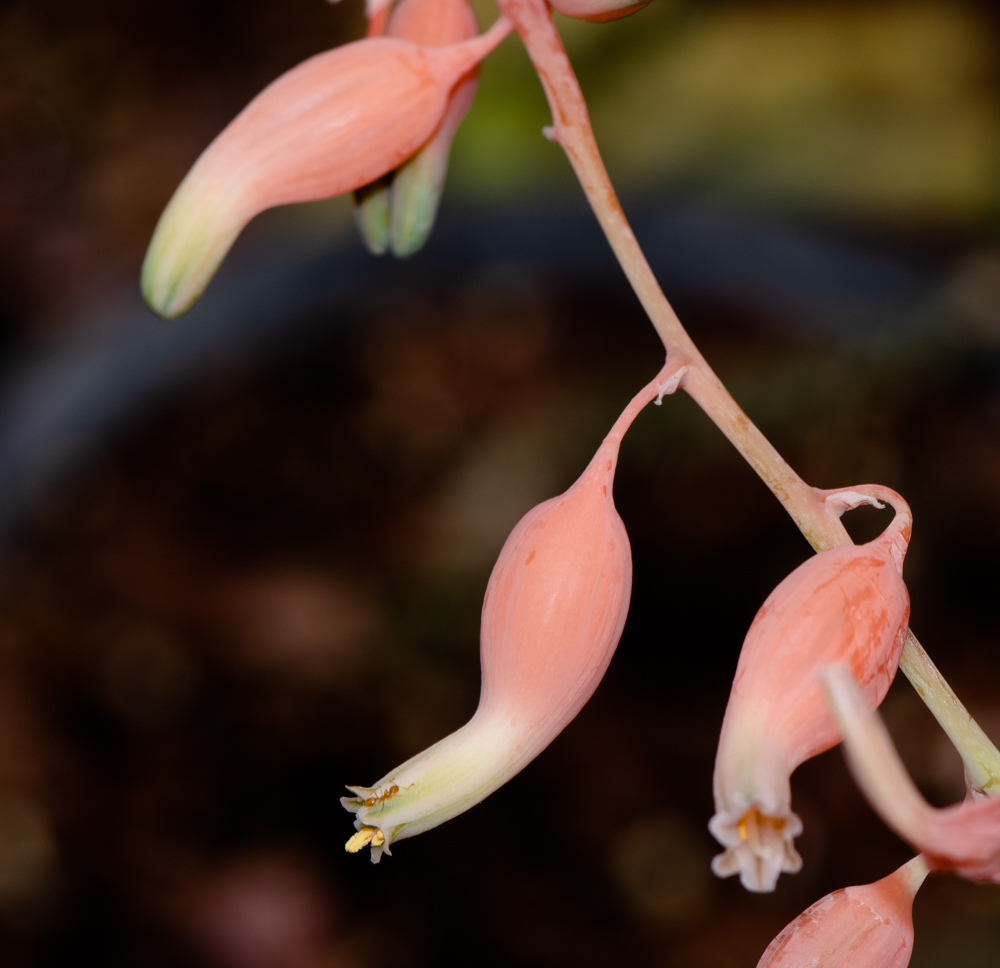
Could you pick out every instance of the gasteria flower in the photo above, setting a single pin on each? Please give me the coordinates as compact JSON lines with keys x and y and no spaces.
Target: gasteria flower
{"x":337,"y":121}
{"x":554,"y":610}
{"x":847,"y":604}
{"x":855,"y":927}
{"x":964,"y":838}
{"x":398,"y":211}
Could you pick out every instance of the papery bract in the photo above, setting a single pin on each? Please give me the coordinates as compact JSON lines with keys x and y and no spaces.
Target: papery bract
{"x":554,"y":610}
{"x":964,"y":838}
{"x":337,"y":121}
{"x":847,"y":604}
{"x":399,"y":211}
{"x":856,"y":927}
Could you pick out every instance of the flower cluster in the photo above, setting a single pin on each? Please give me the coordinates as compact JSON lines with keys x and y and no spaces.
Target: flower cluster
{"x":377,"y":117}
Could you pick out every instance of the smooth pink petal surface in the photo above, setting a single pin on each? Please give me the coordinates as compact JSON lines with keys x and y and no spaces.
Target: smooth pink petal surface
{"x":433,"y":23}
{"x":849,"y":605}
{"x":856,"y":927}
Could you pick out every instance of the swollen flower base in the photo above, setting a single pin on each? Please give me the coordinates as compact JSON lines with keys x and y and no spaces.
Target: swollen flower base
{"x":554,"y":610}
{"x":855,"y":927}
{"x":848,"y":604}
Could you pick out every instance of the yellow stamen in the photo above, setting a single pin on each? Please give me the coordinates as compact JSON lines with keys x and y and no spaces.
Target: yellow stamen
{"x":752,"y":820}
{"x":363,"y":837}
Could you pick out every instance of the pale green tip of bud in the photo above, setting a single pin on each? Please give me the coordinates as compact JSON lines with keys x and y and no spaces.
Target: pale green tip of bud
{"x":416,"y":192}
{"x":372,"y":205}
{"x":190,"y":241}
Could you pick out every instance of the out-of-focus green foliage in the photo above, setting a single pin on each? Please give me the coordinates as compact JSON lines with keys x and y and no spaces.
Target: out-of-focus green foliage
{"x":881,"y":109}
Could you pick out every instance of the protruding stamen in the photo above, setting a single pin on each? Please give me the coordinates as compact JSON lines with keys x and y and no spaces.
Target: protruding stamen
{"x":365,"y":836}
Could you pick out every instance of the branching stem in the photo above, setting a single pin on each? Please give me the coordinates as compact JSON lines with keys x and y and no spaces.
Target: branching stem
{"x":813,"y":517}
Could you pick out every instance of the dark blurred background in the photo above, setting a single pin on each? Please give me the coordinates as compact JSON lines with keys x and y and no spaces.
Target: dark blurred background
{"x":242,"y":554}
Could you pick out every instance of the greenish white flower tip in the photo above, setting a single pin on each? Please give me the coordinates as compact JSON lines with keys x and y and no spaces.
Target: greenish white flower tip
{"x":191,"y":239}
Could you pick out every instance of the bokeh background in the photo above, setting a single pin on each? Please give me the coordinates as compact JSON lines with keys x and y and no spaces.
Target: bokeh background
{"x":242,"y":554}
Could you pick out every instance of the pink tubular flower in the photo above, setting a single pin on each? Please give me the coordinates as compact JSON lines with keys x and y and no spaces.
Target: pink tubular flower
{"x":398,"y":211}
{"x":964,"y":838}
{"x":847,"y":604}
{"x":554,"y":610}
{"x":855,"y":927}
{"x":337,"y":121}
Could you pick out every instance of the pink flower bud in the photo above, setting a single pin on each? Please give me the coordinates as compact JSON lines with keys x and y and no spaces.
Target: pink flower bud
{"x":399,"y":210}
{"x":847,"y":604}
{"x":554,"y":610}
{"x":964,"y":838}
{"x":337,"y":121}
{"x":855,"y":927}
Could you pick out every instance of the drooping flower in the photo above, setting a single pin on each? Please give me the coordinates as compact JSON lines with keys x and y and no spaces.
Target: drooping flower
{"x":847,"y":604}
{"x":964,"y":838}
{"x":554,"y":610}
{"x":398,"y":211}
{"x":337,"y":121}
{"x":856,"y":927}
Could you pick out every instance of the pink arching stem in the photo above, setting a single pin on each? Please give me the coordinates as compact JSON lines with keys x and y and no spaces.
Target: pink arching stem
{"x":814,"y":518}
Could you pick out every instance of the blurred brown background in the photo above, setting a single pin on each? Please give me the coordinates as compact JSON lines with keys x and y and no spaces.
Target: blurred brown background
{"x":244,"y":552}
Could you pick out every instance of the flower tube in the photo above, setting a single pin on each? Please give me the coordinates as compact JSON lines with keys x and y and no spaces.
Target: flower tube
{"x":847,"y":604}
{"x":554,"y":610}
{"x":856,"y":927}
{"x":336,"y":122}
{"x":398,"y":211}
{"x":964,"y":838}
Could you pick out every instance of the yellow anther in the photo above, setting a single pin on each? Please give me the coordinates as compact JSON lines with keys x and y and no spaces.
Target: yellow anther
{"x":363,"y":837}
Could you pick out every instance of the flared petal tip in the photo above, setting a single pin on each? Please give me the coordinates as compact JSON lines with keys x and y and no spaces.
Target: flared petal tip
{"x":759,"y":848}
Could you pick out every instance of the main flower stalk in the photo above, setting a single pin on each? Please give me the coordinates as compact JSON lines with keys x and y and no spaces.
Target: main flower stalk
{"x":819,"y":524}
